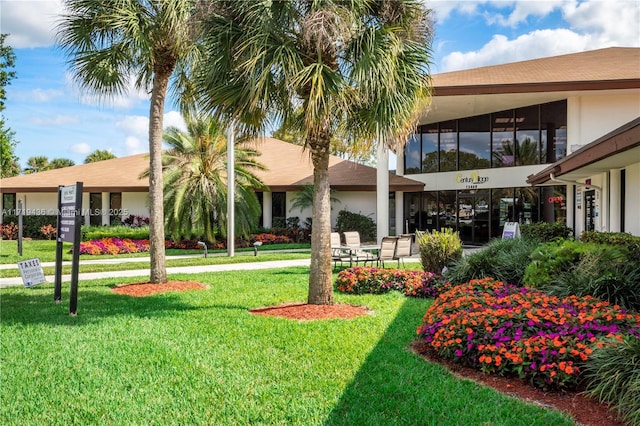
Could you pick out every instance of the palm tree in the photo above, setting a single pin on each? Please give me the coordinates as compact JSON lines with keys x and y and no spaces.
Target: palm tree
{"x":304,"y":198}
{"x":195,"y":171}
{"x":357,"y":70}
{"x":59,"y":163}
{"x":99,"y":155}
{"x":36,"y":164}
{"x":109,"y":42}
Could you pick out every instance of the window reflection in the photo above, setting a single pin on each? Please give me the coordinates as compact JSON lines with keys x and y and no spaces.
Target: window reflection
{"x":475,"y":143}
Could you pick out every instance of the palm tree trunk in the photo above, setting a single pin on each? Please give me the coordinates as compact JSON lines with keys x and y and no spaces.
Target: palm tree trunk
{"x":320,"y":279}
{"x":156,"y":213}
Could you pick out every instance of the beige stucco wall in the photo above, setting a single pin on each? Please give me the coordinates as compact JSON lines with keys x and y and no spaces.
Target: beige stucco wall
{"x":592,"y":116}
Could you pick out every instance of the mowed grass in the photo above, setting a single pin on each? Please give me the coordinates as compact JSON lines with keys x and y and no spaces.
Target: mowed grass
{"x":45,"y":250}
{"x":200,"y":358}
{"x":170,"y":263}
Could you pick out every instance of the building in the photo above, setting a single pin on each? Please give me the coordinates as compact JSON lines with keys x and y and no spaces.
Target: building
{"x":552,"y":139}
{"x":115,"y":189}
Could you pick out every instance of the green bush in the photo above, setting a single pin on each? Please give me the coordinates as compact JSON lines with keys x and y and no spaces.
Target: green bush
{"x":348,"y":221}
{"x":545,"y":232}
{"x":599,"y":274}
{"x":550,"y":259}
{"x":631,"y":242}
{"x":31,"y":224}
{"x":119,"y":231}
{"x":505,"y":260}
{"x":613,"y":377}
{"x":439,"y":249}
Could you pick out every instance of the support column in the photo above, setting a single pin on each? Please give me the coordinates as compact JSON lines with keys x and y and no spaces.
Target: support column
{"x":400,"y":228}
{"x":231,"y":190}
{"x":615,"y":202}
{"x":267,"y":210}
{"x":106,"y":207}
{"x":382,"y":190}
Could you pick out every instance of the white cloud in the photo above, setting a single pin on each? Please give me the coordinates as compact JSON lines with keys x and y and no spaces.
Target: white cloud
{"x":80,"y":148}
{"x":137,"y":125}
{"x":174,"y":119}
{"x":30,"y":23}
{"x":56,"y":120}
{"x":45,"y":95}
{"x":522,"y":11}
{"x":134,"y":145}
{"x":593,"y":24}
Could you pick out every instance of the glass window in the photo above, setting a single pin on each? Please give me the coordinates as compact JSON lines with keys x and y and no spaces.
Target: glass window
{"x":430,"y":160}
{"x":553,"y":121}
{"x":429,"y":211}
{"x":502,"y":134}
{"x":412,"y":155}
{"x":95,"y":207}
{"x":554,"y":204}
{"x":502,"y":204}
{"x":527,"y":135}
{"x":447,"y":209}
{"x":527,"y":203}
{"x":9,"y":204}
{"x":115,"y":208}
{"x":448,"y":146}
{"x":279,"y":209}
{"x":475,"y":143}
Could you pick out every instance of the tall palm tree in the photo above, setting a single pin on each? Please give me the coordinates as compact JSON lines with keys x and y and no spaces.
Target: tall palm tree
{"x":354,"y":69}
{"x":304,"y":198}
{"x":38,"y":163}
{"x":110,"y":42}
{"x":99,"y":155}
{"x":195,"y":171}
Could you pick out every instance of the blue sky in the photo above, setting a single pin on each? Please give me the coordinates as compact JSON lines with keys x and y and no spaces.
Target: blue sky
{"x":51,"y":116}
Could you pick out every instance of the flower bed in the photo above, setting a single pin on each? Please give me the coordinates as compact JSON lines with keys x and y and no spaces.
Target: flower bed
{"x":509,"y":330}
{"x":114,"y":246}
{"x":360,"y":280}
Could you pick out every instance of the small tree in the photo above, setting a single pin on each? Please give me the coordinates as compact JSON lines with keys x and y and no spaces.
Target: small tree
{"x":439,"y":249}
{"x":99,"y":155}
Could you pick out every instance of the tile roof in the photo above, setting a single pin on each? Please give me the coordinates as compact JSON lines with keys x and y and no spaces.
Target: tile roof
{"x":289,"y":166}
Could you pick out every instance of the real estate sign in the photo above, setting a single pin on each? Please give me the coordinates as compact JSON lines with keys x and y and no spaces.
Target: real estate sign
{"x":511,"y":230}
{"x":69,"y":223}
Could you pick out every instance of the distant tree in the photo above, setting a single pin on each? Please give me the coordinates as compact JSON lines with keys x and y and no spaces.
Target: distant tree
{"x":99,"y":155}
{"x":59,"y":163}
{"x":304,"y":198}
{"x":36,"y":164}
{"x":9,"y":165}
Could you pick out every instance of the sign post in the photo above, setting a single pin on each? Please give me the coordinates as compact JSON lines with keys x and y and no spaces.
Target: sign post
{"x":69,"y":226}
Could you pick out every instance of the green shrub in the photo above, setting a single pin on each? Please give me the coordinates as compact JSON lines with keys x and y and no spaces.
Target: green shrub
{"x":598,"y":275}
{"x":550,"y":259}
{"x":348,"y":221}
{"x":505,"y":260}
{"x":439,"y":249}
{"x":613,"y":377}
{"x":631,"y":242}
{"x":31,"y":224}
{"x":120,"y":231}
{"x":545,"y":232}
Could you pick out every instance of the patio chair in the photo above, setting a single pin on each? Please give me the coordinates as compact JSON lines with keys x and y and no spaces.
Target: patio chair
{"x":387,"y":250}
{"x":337,"y":253}
{"x":352,"y":240}
{"x":403,"y":248}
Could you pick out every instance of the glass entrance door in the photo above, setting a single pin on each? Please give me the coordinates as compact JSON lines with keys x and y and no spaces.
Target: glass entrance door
{"x":473,"y":217}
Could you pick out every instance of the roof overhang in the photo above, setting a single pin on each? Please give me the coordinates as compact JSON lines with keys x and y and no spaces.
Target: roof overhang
{"x":615,"y":150}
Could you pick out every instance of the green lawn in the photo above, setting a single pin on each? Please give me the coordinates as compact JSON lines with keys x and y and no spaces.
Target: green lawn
{"x":200,"y":357}
{"x":46,"y":251}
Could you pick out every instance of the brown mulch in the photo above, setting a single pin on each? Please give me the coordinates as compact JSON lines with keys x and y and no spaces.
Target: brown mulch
{"x":147,"y":288}
{"x":305,"y":312}
{"x":585,"y":411}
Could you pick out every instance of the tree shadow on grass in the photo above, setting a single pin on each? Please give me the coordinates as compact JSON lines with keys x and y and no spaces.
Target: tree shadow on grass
{"x":36,"y":305}
{"x":397,"y":387}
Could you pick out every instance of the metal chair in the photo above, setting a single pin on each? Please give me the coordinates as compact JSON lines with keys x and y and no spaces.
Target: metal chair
{"x":337,"y":253}
{"x":387,"y":250}
{"x":352,"y":240}
{"x":403,"y":248}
